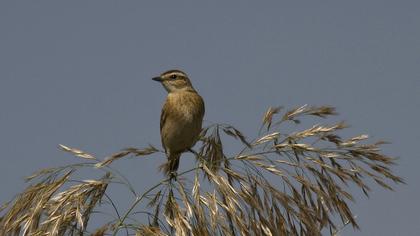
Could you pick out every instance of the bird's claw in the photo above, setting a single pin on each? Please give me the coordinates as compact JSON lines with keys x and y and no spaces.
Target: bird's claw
{"x":173,"y":175}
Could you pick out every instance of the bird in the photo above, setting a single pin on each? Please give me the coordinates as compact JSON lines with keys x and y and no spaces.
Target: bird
{"x":181,"y":118}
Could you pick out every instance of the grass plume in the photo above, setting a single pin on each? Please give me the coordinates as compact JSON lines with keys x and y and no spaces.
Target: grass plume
{"x":278,"y":183}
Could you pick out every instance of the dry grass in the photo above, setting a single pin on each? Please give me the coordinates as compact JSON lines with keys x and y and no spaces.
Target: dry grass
{"x":279,"y":184}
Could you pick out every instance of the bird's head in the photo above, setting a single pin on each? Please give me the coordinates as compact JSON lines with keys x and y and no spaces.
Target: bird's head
{"x":174,"y":81}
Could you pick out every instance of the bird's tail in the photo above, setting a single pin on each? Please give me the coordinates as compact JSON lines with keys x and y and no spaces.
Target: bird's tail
{"x":171,"y":166}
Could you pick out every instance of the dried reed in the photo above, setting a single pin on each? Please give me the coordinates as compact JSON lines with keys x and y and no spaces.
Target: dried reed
{"x":278,"y":184}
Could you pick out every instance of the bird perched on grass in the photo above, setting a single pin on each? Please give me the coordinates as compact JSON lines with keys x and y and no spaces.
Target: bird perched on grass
{"x":181,"y":117}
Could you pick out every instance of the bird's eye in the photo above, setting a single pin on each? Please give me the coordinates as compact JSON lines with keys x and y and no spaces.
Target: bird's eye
{"x":173,"y":76}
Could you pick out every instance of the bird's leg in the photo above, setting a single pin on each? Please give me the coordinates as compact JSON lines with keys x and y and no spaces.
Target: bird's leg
{"x":173,"y":175}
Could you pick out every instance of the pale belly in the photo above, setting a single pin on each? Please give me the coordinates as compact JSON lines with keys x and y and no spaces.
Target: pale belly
{"x":181,"y":134}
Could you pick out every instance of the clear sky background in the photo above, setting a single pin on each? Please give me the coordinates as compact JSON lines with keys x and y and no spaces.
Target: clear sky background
{"x":78,"y":73}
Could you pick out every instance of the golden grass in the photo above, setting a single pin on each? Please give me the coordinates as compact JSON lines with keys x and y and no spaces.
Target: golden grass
{"x":278,"y":184}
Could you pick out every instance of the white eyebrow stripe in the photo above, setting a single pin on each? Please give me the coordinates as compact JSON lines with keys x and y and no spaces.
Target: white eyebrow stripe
{"x":176,"y":73}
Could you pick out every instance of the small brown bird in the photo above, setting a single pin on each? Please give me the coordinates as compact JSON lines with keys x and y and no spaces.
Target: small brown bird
{"x":181,"y":117}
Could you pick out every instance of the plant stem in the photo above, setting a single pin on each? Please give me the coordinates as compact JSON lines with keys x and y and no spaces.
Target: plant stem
{"x":138,"y":200}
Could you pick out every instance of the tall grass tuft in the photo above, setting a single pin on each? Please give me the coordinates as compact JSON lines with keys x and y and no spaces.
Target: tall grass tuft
{"x":279,"y":183}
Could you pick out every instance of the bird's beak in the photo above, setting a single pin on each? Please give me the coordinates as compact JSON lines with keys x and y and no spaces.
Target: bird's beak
{"x":158,"y":79}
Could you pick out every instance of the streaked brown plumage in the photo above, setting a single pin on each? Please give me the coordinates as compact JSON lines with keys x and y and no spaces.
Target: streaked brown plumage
{"x":181,"y":117}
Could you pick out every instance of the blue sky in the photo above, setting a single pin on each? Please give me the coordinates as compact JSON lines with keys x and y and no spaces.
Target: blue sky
{"x":78,"y":73}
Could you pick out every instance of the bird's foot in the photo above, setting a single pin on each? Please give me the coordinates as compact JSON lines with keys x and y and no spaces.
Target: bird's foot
{"x":173,"y":175}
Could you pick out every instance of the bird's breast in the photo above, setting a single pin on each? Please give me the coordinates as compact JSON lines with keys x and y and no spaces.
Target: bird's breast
{"x":186,"y":106}
{"x":181,"y":125}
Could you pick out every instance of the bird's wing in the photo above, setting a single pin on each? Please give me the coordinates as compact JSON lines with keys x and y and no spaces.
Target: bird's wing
{"x":163,"y":117}
{"x":202,"y":107}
